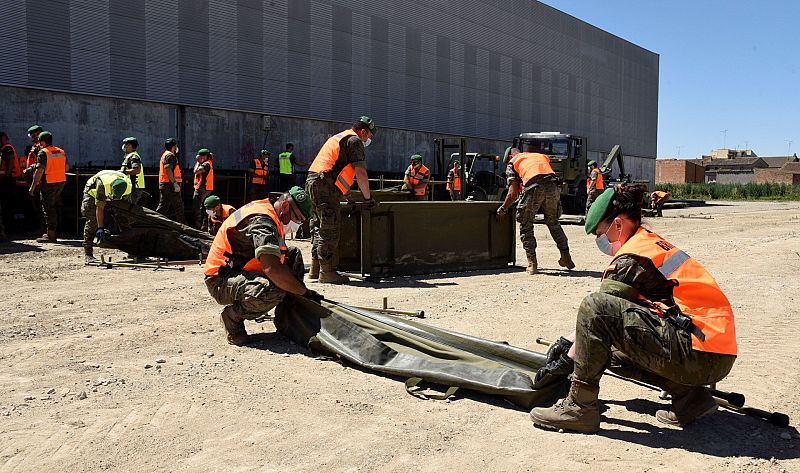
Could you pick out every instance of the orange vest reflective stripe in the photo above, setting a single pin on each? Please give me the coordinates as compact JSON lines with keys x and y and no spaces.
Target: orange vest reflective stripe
{"x":260,"y":172}
{"x":162,"y":174}
{"x":221,"y":245}
{"x":415,"y":178}
{"x":326,"y":160}
{"x":456,"y":179}
{"x":13,"y":166}
{"x":56,"y":168}
{"x":598,"y":184}
{"x":530,"y":165}
{"x":697,"y":293}
{"x":198,"y":178}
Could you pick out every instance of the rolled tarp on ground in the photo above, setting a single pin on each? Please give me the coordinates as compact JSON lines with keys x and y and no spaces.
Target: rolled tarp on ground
{"x":154,"y":235}
{"x":410,"y":349}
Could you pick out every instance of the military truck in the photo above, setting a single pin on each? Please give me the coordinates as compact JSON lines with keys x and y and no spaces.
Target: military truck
{"x":568,"y":159}
{"x":482,"y":176}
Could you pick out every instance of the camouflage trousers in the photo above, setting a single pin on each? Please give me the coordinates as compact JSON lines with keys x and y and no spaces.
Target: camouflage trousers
{"x":547,"y":198}
{"x":325,"y":219}
{"x":88,"y":209}
{"x":612,"y":332}
{"x":199,"y":210}
{"x":51,"y":204}
{"x":170,"y":203}
{"x":592,"y":196}
{"x":252,"y":294}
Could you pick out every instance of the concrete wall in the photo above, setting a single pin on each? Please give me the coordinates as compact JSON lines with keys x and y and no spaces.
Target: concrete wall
{"x":735,"y":177}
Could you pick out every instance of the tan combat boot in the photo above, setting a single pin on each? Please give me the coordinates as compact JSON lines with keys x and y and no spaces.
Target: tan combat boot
{"x":234,"y":326}
{"x":566,"y":260}
{"x":689,"y":403}
{"x":88,"y":255}
{"x":578,"y":412}
{"x":328,"y":275}
{"x":45,"y":238}
{"x":313,"y":273}
{"x":533,"y":265}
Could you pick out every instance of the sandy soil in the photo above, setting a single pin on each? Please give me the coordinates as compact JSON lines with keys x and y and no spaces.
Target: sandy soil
{"x":128,"y":370}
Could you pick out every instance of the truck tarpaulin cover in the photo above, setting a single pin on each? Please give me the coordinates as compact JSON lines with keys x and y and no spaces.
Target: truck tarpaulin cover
{"x":417,"y":352}
{"x":152,"y":234}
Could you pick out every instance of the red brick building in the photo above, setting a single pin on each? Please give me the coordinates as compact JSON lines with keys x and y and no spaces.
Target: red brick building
{"x":789,"y":173}
{"x":679,"y":171}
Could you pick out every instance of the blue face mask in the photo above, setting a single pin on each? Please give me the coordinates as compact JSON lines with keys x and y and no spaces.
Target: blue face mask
{"x":608,"y":247}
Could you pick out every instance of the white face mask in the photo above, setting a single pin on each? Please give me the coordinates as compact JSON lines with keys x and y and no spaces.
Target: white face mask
{"x":367,"y":143}
{"x":123,"y":148}
{"x":291,"y":227}
{"x":608,"y":247}
{"x":177,"y":150}
{"x":209,"y":212}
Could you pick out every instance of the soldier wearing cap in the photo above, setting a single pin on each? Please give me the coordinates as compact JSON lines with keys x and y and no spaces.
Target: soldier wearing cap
{"x":249,"y":268}
{"x":203,"y":185}
{"x":258,"y":172}
{"x":454,"y":181}
{"x":339,"y":162}
{"x":594,"y":184}
{"x":217,"y":213}
{"x":132,"y":167}
{"x":100,"y":189}
{"x":170,"y":203}
{"x":416,"y":178}
{"x":33,"y":209}
{"x":51,"y":174}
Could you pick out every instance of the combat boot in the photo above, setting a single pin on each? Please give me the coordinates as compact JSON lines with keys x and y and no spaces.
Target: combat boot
{"x":313,"y":273}
{"x":328,"y":275}
{"x":566,"y":260}
{"x":689,"y":403}
{"x":578,"y":412}
{"x":234,"y":326}
{"x":45,"y":238}
{"x":88,"y":255}
{"x":533,"y":265}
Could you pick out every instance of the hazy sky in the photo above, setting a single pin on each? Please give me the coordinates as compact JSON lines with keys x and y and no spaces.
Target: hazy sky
{"x":724,"y":65}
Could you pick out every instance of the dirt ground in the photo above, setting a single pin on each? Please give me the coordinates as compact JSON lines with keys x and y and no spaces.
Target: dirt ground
{"x":128,"y":370}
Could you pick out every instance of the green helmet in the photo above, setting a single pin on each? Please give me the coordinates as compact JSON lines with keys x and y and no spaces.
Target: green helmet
{"x":211,"y":202}
{"x":370,"y":124}
{"x":592,"y":163}
{"x":118,"y":188}
{"x":46,"y":136}
{"x":131,"y":140}
{"x":203,"y":152}
{"x":302,"y":200}
{"x":416,"y":157}
{"x":34,"y":129}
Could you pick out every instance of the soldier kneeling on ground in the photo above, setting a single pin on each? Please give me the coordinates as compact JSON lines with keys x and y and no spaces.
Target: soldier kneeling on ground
{"x":249,"y":268}
{"x":100,"y":189}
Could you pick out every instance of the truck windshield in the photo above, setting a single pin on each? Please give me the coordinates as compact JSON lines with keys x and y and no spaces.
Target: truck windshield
{"x":549,"y":147}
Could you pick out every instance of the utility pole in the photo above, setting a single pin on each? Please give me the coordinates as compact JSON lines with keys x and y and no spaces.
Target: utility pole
{"x":679,"y":150}
{"x":724,"y":138}
{"x":789,"y":149}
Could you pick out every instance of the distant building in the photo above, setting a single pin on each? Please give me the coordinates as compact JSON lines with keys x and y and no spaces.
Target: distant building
{"x":679,"y":171}
{"x":733,"y":170}
{"x":789,"y":173}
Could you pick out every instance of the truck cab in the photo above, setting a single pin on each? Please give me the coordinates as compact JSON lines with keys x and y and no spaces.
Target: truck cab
{"x":483,"y":176}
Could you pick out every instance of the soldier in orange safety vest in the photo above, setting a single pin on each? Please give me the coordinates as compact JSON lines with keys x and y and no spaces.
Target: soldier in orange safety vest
{"x":203,"y":186}
{"x":531,"y":178}
{"x":9,"y":173}
{"x":338,"y":164}
{"x":249,"y":268}
{"x":416,"y":178}
{"x":258,"y":171}
{"x":659,"y":317}
{"x":217,"y":213}
{"x":170,"y":202}
{"x":454,"y":181}
{"x":657,"y":200}
{"x":594,"y":184}
{"x":49,"y":180}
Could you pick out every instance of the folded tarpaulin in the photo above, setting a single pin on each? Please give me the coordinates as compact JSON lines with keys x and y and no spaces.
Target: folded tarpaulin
{"x":151,"y":234}
{"x":417,"y":352}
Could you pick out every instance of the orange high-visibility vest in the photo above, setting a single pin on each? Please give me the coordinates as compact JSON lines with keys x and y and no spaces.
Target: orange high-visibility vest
{"x":697,"y":294}
{"x":32,"y":157}
{"x":198,"y":178}
{"x":530,"y":165}
{"x":415,"y":178}
{"x":56,"y":168}
{"x":326,"y":161}
{"x":260,"y":172}
{"x":221,"y":245}
{"x":598,"y":184}
{"x":226,"y":212}
{"x":13,"y":166}
{"x":658,"y":194}
{"x":162,"y":174}
{"x":456,"y":179}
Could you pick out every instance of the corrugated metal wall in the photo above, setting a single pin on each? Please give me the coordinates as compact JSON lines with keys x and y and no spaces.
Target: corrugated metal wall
{"x":463,"y":67}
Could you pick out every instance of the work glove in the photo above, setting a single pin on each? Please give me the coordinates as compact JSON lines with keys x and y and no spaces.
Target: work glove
{"x":370,"y":202}
{"x":176,"y":187}
{"x":100,"y":233}
{"x":313,"y":296}
{"x":559,"y":368}
{"x":558,"y":348}
{"x":501,"y":212}
{"x":349,"y":199}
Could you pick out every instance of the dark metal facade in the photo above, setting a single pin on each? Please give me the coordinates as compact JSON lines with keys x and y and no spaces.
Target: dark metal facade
{"x":480,"y":68}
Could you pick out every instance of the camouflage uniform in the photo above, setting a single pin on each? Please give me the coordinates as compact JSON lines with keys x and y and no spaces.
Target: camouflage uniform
{"x":88,"y":206}
{"x":612,"y":332}
{"x":50,"y":196}
{"x":252,"y":294}
{"x":134,"y":161}
{"x":198,"y":198}
{"x":170,"y":203}
{"x":544,"y":196}
{"x":592,"y":191}
{"x":326,"y":217}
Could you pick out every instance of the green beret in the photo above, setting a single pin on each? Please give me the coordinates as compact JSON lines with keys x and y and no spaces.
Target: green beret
{"x":33,"y":129}
{"x":118,"y":188}
{"x":506,"y":153}
{"x":45,"y":136}
{"x":264,"y":152}
{"x":416,"y":157}
{"x":211,"y":202}
{"x":302,"y":200}
{"x":203,"y":152}
{"x":131,"y":140}
{"x":170,"y":142}
{"x":598,"y":209}
{"x":368,"y":121}
{"x":592,"y":163}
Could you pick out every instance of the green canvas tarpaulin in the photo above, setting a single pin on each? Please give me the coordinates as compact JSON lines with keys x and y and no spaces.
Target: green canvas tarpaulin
{"x":154,"y":235}
{"x":416,"y":351}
